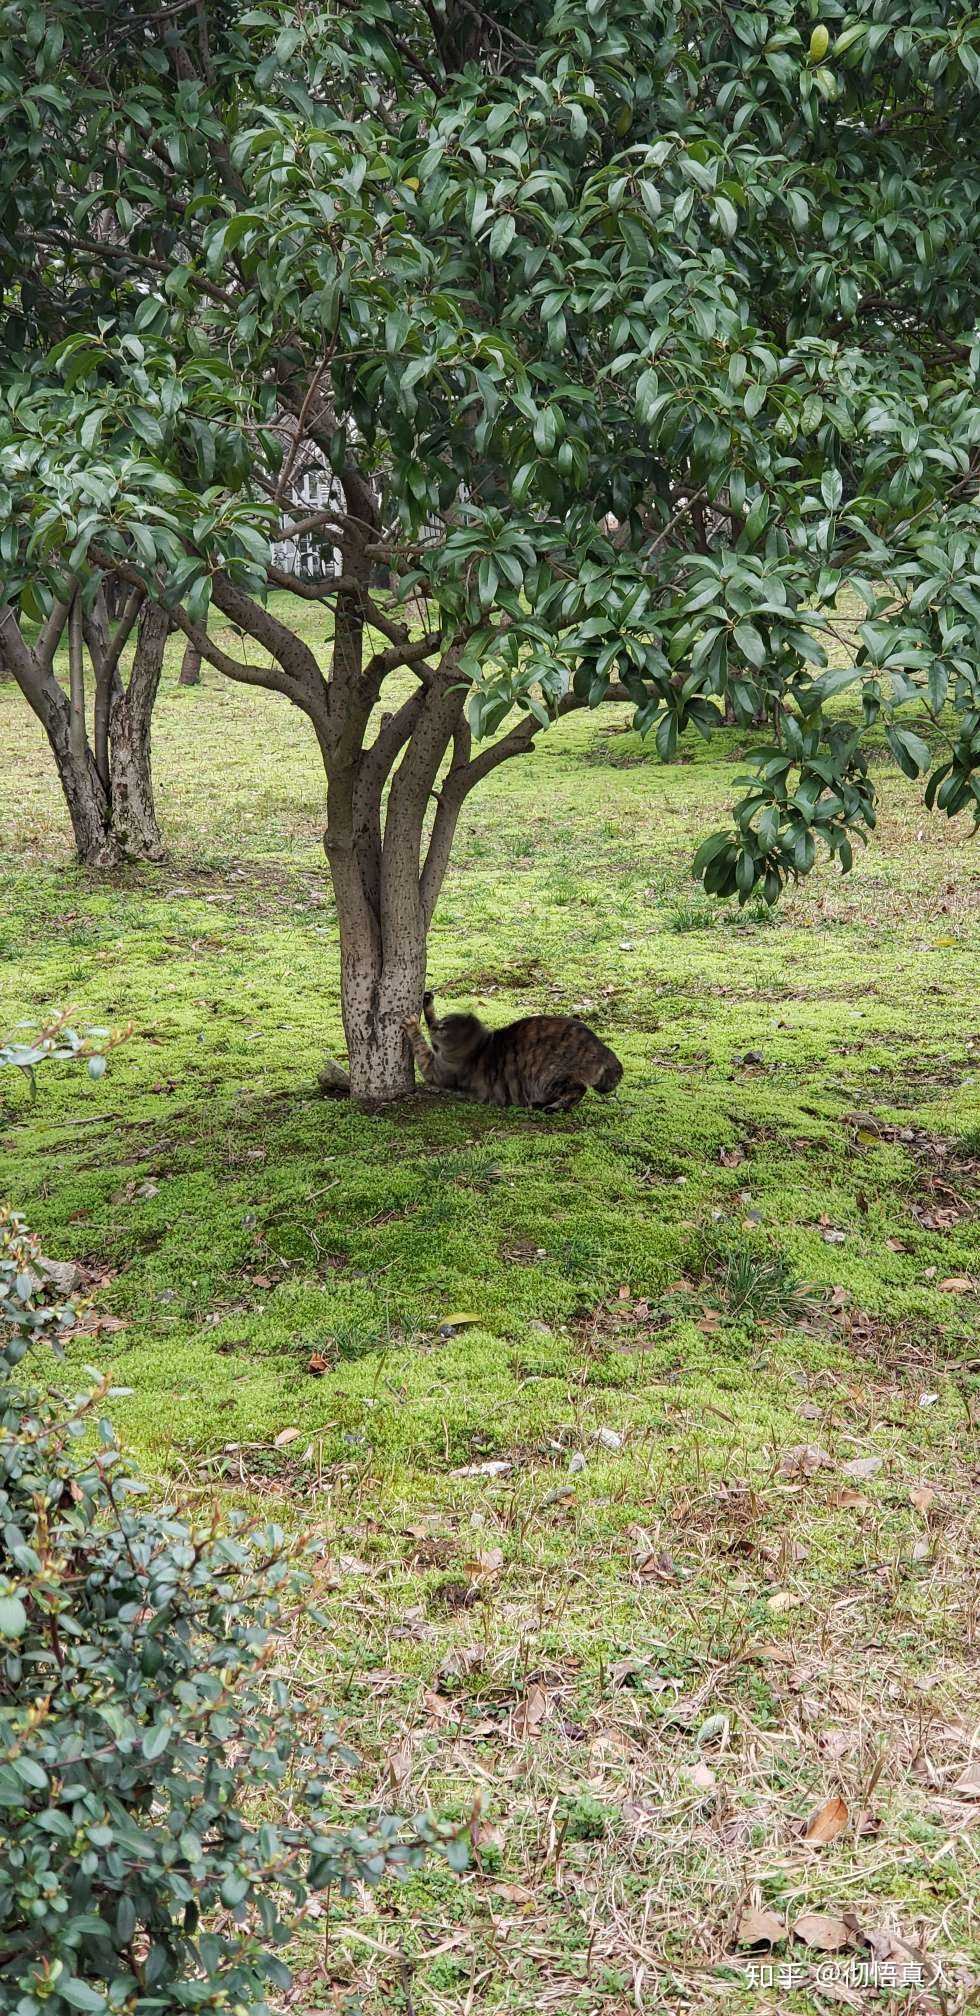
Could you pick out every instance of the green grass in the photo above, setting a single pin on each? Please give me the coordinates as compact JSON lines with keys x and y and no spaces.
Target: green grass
{"x":661,"y":1290}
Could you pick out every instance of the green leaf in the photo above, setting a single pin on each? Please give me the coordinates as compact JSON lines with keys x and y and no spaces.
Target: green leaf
{"x":13,"y":1617}
{"x":831,"y":488}
{"x":910,"y":752}
{"x":648,"y":399}
{"x":502,"y":235}
{"x":709,"y":851}
{"x":750,"y":643}
{"x":545,"y":430}
{"x":835,"y":681}
{"x":79,"y":1995}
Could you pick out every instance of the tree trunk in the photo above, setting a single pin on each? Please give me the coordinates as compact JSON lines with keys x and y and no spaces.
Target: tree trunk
{"x":133,"y":813}
{"x":132,"y":809}
{"x":96,"y":845}
{"x":376,"y":1001}
{"x":190,"y":670}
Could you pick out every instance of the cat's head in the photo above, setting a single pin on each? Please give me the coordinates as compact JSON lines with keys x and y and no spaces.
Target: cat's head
{"x":455,"y":1037}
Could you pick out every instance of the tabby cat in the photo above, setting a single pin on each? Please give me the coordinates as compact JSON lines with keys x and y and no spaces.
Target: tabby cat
{"x":544,"y":1061}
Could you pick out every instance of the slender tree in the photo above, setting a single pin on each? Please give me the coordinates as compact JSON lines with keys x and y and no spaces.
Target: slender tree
{"x":190,"y":666}
{"x":100,"y":742}
{"x":633,"y":331}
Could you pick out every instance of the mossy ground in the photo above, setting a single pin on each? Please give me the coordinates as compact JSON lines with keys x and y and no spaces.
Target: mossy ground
{"x":650,"y":1665}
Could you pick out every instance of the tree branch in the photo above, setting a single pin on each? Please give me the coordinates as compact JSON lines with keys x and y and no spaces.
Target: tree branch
{"x":401,"y":897}
{"x":130,"y":612}
{"x":144,"y":679}
{"x":450,"y":801}
{"x":372,"y":772}
{"x":34,"y":677}
{"x":52,"y":631}
{"x":305,"y":681}
{"x":520,"y":738}
{"x":76,"y":683}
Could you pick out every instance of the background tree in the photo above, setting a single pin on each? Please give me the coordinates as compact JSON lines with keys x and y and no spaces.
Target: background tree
{"x":101,"y":749}
{"x":632,"y":334}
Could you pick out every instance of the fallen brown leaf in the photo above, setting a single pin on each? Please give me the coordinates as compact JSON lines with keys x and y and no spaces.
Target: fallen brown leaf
{"x":400,"y":1768}
{"x":531,"y":1711}
{"x":657,"y":1567}
{"x":922,"y":1498}
{"x":483,"y":1835}
{"x":956,"y":1284}
{"x":484,"y":1567}
{"x":802,"y":1460}
{"x":968,"y":1782}
{"x":887,"y":1946}
{"x":318,"y":1364}
{"x":285,"y":1436}
{"x":760,"y":1928}
{"x":351,"y":1564}
{"x":862,"y":1466}
{"x":92,"y":1322}
{"x":438,"y":1706}
{"x":513,"y":1893}
{"x":826,"y":1934}
{"x":826,"y":1823}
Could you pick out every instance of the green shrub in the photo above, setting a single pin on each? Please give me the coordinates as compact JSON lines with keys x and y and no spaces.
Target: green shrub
{"x":166,"y":1802}
{"x":57,"y":1041}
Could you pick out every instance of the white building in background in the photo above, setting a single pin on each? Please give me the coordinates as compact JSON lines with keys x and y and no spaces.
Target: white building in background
{"x":309,"y":557}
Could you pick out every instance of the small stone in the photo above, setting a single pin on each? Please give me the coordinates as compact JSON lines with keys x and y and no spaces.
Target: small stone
{"x":609,"y":1438}
{"x":333,"y":1080}
{"x":62,"y":1274}
{"x":576,"y":1462}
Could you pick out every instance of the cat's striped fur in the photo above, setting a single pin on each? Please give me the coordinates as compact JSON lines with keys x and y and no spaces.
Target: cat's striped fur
{"x":548,"y":1062}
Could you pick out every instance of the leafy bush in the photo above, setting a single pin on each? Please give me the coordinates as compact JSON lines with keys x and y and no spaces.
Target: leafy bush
{"x":166,"y":1800}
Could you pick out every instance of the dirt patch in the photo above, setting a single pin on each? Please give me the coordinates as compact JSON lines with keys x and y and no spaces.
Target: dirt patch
{"x":517,"y":978}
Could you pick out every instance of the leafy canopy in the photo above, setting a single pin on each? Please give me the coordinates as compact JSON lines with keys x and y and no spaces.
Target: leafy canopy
{"x":654,"y":325}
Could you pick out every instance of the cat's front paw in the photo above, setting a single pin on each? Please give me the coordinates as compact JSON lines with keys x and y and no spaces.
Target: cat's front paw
{"x":428,"y":998}
{"x":410,"y":1025}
